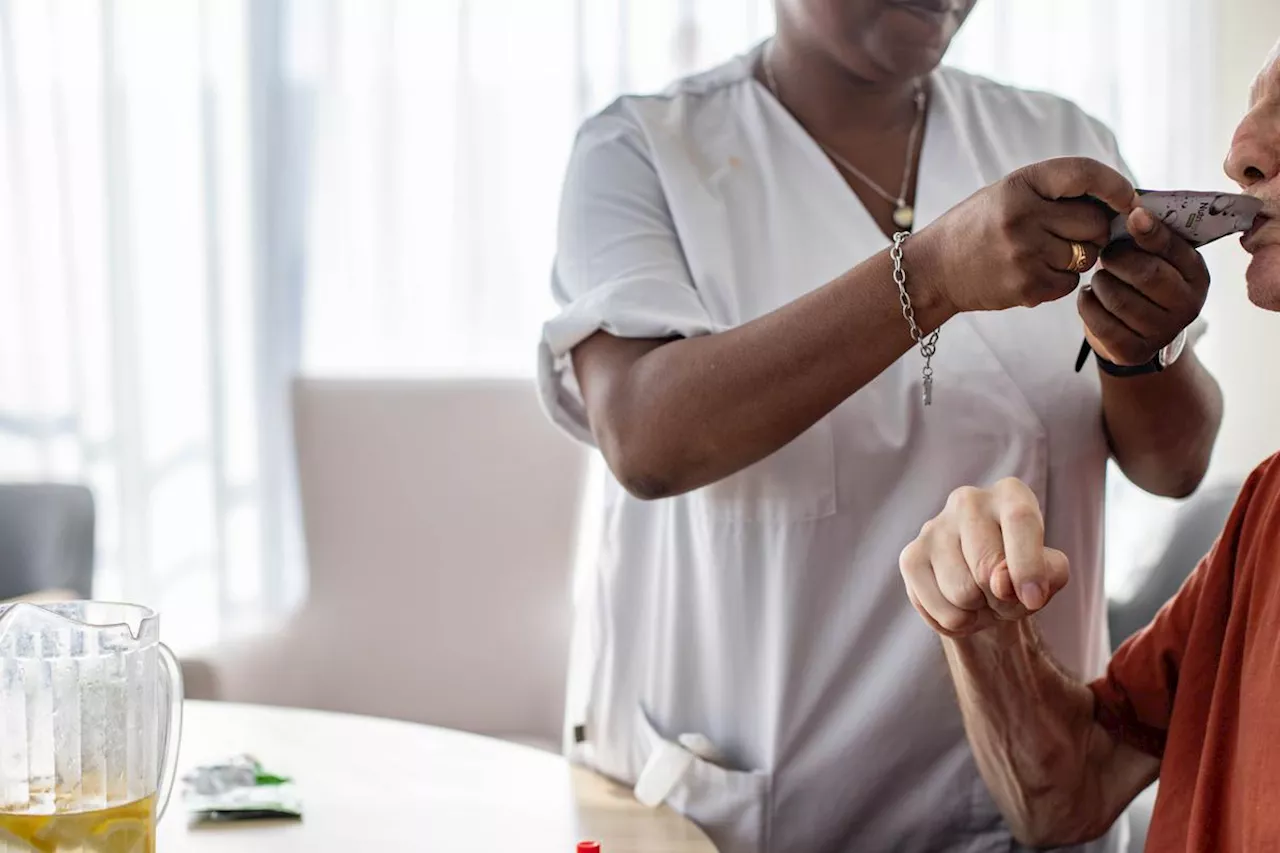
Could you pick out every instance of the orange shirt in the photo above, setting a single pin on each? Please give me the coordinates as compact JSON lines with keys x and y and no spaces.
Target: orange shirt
{"x":1200,"y":688}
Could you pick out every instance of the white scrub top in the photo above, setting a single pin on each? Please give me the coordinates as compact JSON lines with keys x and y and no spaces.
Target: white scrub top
{"x":766,"y":611}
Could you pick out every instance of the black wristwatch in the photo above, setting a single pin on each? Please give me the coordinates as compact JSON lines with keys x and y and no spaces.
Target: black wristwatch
{"x":1164,"y":358}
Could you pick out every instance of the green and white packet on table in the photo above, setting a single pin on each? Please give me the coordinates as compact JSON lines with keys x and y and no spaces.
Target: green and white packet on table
{"x":239,"y":789}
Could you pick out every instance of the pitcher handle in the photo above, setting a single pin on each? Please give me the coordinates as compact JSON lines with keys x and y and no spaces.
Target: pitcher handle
{"x":172,"y":732}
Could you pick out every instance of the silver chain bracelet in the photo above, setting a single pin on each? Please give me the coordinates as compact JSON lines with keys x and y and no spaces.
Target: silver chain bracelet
{"x":928,"y":345}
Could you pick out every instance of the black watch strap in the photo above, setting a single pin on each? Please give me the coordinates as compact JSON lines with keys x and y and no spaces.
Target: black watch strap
{"x":1126,"y":370}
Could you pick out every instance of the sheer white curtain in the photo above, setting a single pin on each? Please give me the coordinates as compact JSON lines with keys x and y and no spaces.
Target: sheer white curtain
{"x":441,"y":128}
{"x":143,"y":334}
{"x":200,"y":197}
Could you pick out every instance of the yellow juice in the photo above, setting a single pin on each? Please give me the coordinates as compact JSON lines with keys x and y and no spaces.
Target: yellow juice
{"x":128,"y":828}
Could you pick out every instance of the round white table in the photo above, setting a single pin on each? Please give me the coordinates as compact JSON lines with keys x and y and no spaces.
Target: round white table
{"x":374,"y":785}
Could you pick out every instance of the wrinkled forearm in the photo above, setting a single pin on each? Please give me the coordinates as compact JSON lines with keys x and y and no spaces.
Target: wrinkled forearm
{"x":1049,"y":766}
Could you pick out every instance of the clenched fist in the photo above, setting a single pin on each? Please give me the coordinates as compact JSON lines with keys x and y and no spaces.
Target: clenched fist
{"x":982,"y":561}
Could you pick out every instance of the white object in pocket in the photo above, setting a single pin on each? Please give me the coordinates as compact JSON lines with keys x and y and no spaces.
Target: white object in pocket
{"x":665,"y":768}
{"x":731,"y":806}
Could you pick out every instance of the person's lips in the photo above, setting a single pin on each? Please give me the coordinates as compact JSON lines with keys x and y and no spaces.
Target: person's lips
{"x":1265,"y":230}
{"x":930,"y":8}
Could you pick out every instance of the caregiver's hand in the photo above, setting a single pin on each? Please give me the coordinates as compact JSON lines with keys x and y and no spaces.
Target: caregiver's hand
{"x":1148,"y":290}
{"x":982,"y":561}
{"x":1009,"y":244}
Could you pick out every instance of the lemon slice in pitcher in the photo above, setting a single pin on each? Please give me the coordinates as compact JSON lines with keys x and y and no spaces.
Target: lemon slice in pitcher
{"x":10,"y":840}
{"x":30,"y":832}
{"x":121,"y":835}
{"x":62,"y":832}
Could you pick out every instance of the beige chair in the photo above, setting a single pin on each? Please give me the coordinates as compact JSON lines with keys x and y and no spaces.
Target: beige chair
{"x":440,"y":521}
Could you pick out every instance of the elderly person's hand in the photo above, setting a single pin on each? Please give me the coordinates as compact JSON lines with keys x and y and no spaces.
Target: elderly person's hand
{"x":1148,"y":290}
{"x":982,"y":561}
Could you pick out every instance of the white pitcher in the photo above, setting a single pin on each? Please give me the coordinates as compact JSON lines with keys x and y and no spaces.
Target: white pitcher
{"x":90,"y":720}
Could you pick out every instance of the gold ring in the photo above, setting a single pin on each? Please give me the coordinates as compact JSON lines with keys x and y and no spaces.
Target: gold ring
{"x":1079,"y":258}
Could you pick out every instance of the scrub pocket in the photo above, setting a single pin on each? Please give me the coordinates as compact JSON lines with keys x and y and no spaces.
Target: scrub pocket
{"x":796,"y":483}
{"x":731,"y":806}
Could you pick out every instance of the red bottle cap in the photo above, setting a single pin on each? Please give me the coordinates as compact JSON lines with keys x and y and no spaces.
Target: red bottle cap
{"x":588,"y":847}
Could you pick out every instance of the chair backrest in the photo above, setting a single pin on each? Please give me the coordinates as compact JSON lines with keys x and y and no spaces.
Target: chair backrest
{"x":440,"y":521}
{"x":46,"y":539}
{"x":1196,"y":526}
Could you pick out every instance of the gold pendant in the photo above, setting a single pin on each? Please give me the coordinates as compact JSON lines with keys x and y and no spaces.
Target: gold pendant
{"x":904,"y":216}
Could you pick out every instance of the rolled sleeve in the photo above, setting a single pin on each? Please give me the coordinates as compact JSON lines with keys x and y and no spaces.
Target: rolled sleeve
{"x":620,"y":267}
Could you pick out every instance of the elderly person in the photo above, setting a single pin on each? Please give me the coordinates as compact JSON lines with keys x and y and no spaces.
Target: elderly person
{"x":736,"y":256}
{"x":1192,"y":699}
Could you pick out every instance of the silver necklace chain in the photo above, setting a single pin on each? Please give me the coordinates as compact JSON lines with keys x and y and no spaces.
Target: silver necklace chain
{"x":903,"y":215}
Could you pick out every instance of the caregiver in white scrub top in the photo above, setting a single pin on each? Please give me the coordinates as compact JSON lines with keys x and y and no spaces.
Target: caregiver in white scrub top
{"x":738,"y":339}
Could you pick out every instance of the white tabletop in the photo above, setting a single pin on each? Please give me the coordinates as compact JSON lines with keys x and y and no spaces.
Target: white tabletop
{"x":375,"y":785}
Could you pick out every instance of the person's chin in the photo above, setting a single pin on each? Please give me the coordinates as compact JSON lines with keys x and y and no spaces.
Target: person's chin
{"x":914,"y":61}
{"x":1263,"y":277}
{"x":915,"y":41}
